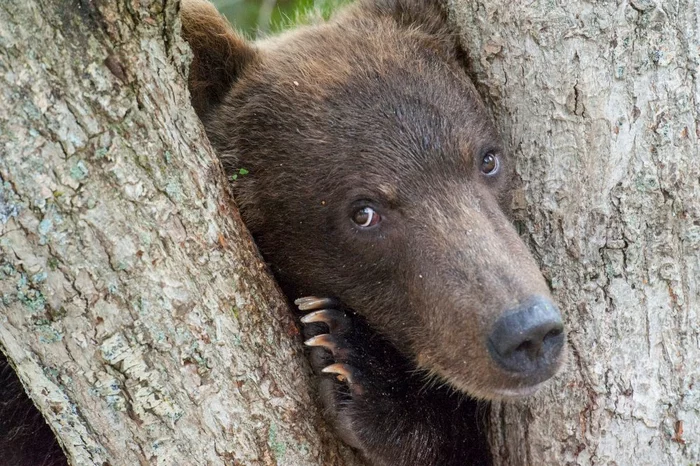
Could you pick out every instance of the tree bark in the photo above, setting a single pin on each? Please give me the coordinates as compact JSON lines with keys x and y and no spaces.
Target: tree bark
{"x":599,"y":103}
{"x":134,"y":306}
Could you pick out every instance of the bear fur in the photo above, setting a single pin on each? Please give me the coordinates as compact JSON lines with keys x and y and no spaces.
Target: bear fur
{"x":374,"y":110}
{"x":25,"y":438}
{"x":370,"y":116}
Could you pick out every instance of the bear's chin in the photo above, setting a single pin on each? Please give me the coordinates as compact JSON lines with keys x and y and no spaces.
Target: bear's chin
{"x":517,"y":390}
{"x":517,"y":393}
{"x":500,"y":393}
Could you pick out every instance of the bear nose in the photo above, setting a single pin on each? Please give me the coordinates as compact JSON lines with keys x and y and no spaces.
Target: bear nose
{"x":529,"y":337}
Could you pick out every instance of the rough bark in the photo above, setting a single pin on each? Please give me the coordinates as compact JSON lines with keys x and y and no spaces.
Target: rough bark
{"x":599,"y":104}
{"x":134,"y":307}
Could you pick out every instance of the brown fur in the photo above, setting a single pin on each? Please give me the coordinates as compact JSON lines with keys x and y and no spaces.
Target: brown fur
{"x":374,"y":105}
{"x":278,"y":113}
{"x":221,"y":54}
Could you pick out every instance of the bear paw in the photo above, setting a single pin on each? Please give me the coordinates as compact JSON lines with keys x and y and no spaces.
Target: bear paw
{"x":361,"y":371}
{"x":379,"y":401}
{"x":332,"y":352}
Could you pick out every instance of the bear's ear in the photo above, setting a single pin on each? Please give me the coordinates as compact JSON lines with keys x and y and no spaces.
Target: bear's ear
{"x":428,"y":16}
{"x":220,"y":54}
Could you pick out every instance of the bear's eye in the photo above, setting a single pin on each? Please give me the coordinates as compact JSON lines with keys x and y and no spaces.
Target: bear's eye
{"x":490,"y":164}
{"x":366,"y":217}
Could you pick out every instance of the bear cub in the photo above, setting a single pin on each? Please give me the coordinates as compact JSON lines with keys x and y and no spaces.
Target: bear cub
{"x":376,"y":191}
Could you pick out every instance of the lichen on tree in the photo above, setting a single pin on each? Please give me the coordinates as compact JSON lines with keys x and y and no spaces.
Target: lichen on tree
{"x":599,"y":106}
{"x":135,"y":308}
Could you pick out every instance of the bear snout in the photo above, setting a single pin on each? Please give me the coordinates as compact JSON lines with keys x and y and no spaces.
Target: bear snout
{"x":527,"y":341}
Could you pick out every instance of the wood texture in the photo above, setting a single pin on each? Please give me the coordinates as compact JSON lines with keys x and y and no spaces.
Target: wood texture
{"x":134,"y":306}
{"x":599,"y":104}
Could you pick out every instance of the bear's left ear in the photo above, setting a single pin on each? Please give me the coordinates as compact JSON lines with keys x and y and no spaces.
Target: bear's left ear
{"x":220,"y":54}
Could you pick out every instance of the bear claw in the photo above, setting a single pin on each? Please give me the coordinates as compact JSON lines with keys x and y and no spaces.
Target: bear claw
{"x":344,"y":373}
{"x":340,"y":325}
{"x":312,"y":303}
{"x":342,"y":370}
{"x":335,"y":320}
{"x":325,"y":340}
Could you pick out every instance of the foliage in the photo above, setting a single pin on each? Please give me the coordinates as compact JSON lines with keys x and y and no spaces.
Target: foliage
{"x":256,"y":18}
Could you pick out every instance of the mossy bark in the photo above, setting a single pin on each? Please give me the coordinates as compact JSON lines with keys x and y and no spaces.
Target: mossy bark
{"x":134,"y":306}
{"x":599,"y":104}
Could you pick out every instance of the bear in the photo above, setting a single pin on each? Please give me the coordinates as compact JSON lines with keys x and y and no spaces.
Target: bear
{"x":25,"y":438}
{"x":377,"y":190}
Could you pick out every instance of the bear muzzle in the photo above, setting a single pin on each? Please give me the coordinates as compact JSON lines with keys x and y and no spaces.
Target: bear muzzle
{"x":528,"y":340}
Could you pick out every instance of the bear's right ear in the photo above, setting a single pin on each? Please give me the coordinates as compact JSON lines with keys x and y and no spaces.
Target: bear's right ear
{"x":220,"y":54}
{"x":428,"y":16}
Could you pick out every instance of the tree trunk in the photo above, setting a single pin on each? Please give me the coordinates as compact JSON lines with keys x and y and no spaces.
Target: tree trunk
{"x":135,"y":309}
{"x":599,"y":104}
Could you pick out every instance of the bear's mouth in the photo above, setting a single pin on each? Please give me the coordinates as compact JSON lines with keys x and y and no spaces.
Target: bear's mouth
{"x":515,"y":391}
{"x":519,"y":392}
{"x":487,"y":382}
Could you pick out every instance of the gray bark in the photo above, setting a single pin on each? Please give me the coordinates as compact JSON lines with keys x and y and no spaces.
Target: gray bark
{"x":134,"y":307}
{"x":599,"y":104}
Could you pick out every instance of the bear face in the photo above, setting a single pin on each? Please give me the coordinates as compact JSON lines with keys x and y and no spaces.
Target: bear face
{"x":369,"y":113}
{"x":378,"y":185}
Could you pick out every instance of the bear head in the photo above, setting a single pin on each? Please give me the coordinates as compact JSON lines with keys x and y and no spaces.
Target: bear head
{"x":375,"y":175}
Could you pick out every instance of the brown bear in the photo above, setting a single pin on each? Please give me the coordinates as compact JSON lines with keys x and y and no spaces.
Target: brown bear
{"x":376,"y":190}
{"x":25,"y":438}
